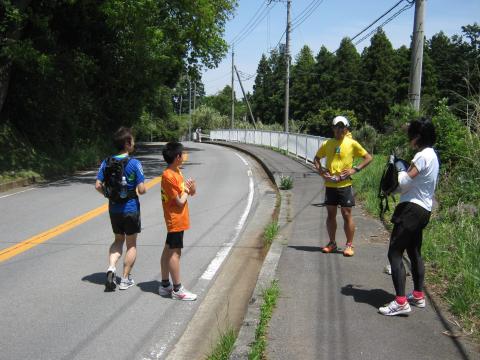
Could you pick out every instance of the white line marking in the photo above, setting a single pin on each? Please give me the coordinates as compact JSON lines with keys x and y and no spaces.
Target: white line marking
{"x":18,"y":192}
{"x":241,"y":158}
{"x":224,"y":251}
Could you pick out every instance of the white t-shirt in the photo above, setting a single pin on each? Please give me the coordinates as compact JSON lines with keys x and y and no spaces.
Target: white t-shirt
{"x":422,"y":187}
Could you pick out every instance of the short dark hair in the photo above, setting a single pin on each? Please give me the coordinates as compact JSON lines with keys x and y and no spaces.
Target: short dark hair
{"x":122,"y":137}
{"x":423,"y":130}
{"x":171,"y":151}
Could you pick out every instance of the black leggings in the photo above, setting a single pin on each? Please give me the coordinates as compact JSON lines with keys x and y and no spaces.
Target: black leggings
{"x":409,"y":220}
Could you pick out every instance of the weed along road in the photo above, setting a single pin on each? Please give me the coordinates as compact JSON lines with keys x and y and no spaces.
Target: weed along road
{"x":53,"y":257}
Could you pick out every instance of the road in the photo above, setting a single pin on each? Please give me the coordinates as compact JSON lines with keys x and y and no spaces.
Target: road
{"x":52,"y":303}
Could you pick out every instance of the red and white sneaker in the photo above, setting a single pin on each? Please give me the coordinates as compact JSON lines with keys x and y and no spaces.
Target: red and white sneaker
{"x":418,"y":302}
{"x":395,"y":308}
{"x":183,"y":294}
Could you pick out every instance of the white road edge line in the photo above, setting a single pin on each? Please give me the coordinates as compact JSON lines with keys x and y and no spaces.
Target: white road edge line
{"x":18,"y":192}
{"x":225,"y":250}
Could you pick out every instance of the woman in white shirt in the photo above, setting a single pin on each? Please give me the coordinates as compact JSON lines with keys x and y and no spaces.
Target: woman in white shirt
{"x":412,"y":214}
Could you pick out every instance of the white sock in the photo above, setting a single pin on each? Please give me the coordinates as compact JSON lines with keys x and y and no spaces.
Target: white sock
{"x":112,"y":269}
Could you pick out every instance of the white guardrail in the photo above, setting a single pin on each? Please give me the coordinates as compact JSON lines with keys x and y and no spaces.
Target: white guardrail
{"x":301,"y":145}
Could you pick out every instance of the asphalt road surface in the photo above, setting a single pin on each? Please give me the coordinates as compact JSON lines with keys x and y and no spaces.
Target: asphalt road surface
{"x":52,"y":299}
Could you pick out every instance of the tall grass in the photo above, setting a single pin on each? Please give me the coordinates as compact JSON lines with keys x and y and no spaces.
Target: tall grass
{"x":224,"y":347}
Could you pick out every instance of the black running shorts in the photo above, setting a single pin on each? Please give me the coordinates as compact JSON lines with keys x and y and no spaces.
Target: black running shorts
{"x":175,"y":240}
{"x":342,"y":197}
{"x":126,"y":224}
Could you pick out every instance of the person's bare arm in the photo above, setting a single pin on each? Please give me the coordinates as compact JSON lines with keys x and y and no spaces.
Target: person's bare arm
{"x":367,"y":159}
{"x":141,"y":188}
{"x":99,"y":186}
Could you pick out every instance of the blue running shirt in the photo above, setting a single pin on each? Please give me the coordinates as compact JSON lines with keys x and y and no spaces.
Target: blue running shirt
{"x":134,"y":175}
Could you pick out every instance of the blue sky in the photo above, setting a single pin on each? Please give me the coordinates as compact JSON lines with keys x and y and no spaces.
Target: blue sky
{"x":327,"y":25}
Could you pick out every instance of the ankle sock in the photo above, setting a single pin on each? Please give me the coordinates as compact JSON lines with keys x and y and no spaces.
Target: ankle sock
{"x":177,"y":287}
{"x":165,"y":283}
{"x":418,"y":294}
{"x":112,"y":269}
{"x":401,"y":300}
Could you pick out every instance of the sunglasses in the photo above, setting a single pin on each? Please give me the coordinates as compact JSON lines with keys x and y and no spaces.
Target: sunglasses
{"x":339,"y":126}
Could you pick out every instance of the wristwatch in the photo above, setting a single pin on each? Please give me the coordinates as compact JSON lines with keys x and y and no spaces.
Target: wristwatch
{"x":356,"y":168}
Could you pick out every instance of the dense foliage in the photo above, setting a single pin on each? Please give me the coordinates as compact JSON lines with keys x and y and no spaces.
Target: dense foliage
{"x":72,"y":71}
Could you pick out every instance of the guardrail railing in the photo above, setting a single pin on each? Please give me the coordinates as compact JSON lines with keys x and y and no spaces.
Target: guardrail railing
{"x":301,"y":145}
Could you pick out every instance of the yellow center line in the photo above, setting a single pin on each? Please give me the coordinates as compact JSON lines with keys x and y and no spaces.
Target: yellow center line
{"x":24,"y":245}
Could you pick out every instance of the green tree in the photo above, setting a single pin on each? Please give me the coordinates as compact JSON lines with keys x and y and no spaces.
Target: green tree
{"x":301,"y":99}
{"x":262,"y":90}
{"x":323,"y":79}
{"x":377,"y":88}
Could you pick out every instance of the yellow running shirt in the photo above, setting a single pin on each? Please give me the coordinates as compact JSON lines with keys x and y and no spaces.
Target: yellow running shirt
{"x":340,"y":155}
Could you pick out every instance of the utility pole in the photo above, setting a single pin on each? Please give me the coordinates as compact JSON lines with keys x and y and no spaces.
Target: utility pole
{"x":417,"y":55}
{"x":287,"y":78}
{"x":233,"y":93}
{"x":189,"y":109}
{"x":194,"y":94}
{"x":246,"y":99}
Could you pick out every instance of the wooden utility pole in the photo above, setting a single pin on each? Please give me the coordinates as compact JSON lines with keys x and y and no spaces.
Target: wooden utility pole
{"x":415,"y":84}
{"x":287,"y":77}
{"x":246,"y":99}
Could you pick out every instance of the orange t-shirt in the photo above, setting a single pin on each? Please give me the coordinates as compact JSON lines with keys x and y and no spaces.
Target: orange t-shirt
{"x":176,"y":217}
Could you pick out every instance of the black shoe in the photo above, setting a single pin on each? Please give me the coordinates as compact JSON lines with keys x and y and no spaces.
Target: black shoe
{"x":110,"y":283}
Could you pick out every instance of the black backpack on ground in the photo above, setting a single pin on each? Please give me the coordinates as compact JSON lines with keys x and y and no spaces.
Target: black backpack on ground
{"x":389,"y":182}
{"x":113,"y":174}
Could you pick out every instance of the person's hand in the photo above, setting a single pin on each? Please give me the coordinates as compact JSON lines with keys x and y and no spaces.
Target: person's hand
{"x":347,"y":173}
{"x":328,"y":177}
{"x":190,"y":186}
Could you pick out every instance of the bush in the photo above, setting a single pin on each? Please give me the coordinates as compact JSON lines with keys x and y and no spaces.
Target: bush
{"x":320,"y":124}
{"x":367,"y":136}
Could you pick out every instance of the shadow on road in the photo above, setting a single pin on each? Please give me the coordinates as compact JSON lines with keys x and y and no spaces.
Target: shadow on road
{"x":95,"y":278}
{"x":149,"y":286}
{"x":373,"y":297}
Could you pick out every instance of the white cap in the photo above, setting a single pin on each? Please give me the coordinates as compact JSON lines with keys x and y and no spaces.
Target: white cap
{"x":341,"y":119}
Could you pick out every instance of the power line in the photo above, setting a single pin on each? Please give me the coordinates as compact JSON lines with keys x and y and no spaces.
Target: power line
{"x":256,"y":21}
{"x":409,"y":5}
{"x":304,"y":15}
{"x":248,"y":23}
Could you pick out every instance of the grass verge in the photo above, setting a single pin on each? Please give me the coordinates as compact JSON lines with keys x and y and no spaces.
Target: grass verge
{"x":270,"y":296}
{"x":224,"y":347}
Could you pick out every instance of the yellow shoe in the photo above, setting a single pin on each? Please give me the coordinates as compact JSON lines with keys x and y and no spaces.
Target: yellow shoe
{"x":348,"y":250}
{"x":330,"y":248}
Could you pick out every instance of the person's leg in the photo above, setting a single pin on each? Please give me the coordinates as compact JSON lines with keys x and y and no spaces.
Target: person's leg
{"x":116,"y":250}
{"x":348,"y":224}
{"x":399,"y":241}
{"x":332,"y":222}
{"x":414,"y":252}
{"x":174,"y":266}
{"x":130,"y":255}
{"x":164,"y":260}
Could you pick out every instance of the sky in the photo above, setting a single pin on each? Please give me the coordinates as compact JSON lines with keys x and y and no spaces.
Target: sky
{"x":331,"y":21}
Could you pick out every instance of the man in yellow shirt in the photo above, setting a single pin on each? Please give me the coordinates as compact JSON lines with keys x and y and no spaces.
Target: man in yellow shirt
{"x":340,"y":153}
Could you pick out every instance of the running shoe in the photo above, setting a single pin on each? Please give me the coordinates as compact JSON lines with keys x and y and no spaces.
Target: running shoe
{"x":395,"y":308}
{"x":165,"y":291}
{"x":348,"y":251}
{"x":110,"y":282}
{"x":127,"y":282}
{"x":416,"y":301}
{"x":330,"y":248}
{"x":183,"y":294}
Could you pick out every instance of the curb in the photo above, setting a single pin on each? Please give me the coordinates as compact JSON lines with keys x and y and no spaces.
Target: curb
{"x":18,"y":183}
{"x":246,"y":335}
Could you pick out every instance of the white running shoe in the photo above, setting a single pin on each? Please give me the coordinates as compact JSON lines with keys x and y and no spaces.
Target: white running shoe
{"x":395,"y":308}
{"x":165,"y":291}
{"x":125,"y":283}
{"x":416,"y":302}
{"x":183,"y":294}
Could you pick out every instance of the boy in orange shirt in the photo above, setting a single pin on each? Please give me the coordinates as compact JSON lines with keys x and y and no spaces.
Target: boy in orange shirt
{"x":175,"y":192}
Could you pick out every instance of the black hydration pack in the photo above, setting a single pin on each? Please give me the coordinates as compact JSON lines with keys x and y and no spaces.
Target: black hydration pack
{"x":114,"y":180}
{"x":389,"y":181}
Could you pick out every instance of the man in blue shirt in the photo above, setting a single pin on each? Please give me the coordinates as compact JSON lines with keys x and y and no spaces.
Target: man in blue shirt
{"x":124,"y":215}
